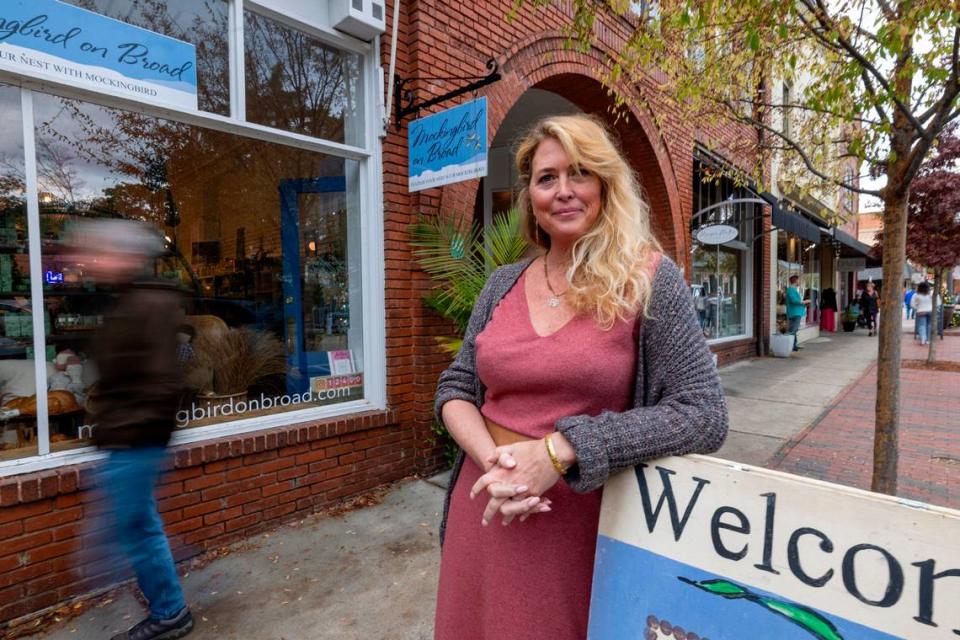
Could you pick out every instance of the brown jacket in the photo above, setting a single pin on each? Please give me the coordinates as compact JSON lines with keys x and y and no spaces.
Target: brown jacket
{"x":135,"y":400}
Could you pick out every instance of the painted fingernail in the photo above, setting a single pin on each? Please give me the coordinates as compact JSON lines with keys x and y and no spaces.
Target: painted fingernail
{"x":522,"y":488}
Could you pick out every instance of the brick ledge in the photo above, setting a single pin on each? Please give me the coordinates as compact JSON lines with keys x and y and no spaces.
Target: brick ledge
{"x":33,"y":486}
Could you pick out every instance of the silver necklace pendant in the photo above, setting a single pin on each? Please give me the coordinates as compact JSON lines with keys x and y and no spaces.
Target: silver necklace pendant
{"x":553,"y":302}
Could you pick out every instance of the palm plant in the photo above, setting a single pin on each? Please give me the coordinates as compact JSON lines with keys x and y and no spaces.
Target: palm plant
{"x":459,"y":258}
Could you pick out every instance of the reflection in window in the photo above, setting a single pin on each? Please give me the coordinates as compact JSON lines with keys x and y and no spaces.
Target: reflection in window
{"x":18,"y":386}
{"x":202,"y":23}
{"x":262,"y":238}
{"x":718,"y":281}
{"x":798,"y":257}
{"x":718,"y":292}
{"x":296,"y":83}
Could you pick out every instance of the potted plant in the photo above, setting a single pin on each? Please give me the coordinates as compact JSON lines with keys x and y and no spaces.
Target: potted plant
{"x":850,"y":316}
{"x":949,"y":308}
{"x":458,"y":258}
{"x":227,"y":363}
{"x":781,"y":343}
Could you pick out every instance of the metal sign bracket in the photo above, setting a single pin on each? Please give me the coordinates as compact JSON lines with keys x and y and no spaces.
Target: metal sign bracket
{"x":405,"y":100}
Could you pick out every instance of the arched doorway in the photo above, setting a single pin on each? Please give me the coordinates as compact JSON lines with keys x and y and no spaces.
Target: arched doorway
{"x":572,"y":93}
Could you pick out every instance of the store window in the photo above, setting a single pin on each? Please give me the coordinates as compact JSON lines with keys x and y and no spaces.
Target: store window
{"x":262,"y":240}
{"x":798,"y":257}
{"x":18,"y":382}
{"x":296,"y":83}
{"x":202,"y":23}
{"x":720,"y":278}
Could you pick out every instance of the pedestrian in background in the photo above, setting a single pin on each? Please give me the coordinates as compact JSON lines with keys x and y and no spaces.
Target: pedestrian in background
{"x":580,"y":362}
{"x":796,"y":309}
{"x":134,"y":407}
{"x":869,"y":307}
{"x":907,"y":297}
{"x":922,"y":303}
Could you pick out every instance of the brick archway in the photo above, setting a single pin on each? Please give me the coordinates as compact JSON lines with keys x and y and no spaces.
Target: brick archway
{"x":544,"y":63}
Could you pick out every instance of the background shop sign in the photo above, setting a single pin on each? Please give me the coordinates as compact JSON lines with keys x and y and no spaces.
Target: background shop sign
{"x":695,"y":547}
{"x":49,"y":39}
{"x":448,"y":147}
{"x":851,"y":264}
{"x":716,"y":234}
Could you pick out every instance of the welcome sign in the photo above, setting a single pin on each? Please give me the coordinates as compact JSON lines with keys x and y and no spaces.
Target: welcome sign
{"x":698,"y":548}
{"x":57,"y":41}
{"x":448,"y":147}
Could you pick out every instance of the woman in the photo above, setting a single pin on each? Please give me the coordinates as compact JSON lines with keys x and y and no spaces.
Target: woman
{"x":583,"y":361}
{"x":869,"y":306}
{"x":922,"y":303}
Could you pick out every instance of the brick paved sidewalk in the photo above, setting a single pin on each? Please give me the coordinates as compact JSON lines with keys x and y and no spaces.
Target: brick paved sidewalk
{"x":838,"y":446}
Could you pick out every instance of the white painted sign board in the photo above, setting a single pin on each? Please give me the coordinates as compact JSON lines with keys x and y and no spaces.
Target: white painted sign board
{"x":716,"y":234}
{"x":701,"y":548}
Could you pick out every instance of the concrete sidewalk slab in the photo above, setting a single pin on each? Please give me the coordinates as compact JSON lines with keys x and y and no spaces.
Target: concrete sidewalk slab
{"x":771,"y":417}
{"x":370,"y":573}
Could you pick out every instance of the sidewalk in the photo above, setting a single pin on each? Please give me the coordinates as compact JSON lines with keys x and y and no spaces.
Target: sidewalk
{"x":372,"y":572}
{"x":838,"y":447}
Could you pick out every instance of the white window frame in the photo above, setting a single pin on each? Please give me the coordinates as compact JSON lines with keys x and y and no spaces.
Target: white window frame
{"x":368,"y":157}
{"x":748,"y":304}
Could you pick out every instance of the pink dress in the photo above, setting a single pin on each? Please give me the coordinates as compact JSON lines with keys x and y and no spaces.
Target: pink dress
{"x":531,"y":580}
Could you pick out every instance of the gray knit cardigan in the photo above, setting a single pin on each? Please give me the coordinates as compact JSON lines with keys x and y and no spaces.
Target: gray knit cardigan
{"x":678,"y":404}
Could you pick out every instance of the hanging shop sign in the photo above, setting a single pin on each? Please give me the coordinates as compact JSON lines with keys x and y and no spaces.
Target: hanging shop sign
{"x":56,"y":41}
{"x":697,"y":547}
{"x":448,"y":147}
{"x":851,"y":264}
{"x":716,"y":234}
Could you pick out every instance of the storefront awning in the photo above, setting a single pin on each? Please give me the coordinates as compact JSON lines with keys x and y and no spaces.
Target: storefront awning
{"x":850,"y":247}
{"x":794,"y":223}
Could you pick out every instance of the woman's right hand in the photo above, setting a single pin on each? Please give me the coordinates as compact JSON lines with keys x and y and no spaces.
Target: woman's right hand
{"x":510,"y":500}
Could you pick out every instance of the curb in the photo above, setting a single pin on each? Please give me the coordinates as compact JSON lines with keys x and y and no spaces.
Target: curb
{"x":787,"y":447}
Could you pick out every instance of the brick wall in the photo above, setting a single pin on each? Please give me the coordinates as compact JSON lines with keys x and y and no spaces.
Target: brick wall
{"x":213,"y":493}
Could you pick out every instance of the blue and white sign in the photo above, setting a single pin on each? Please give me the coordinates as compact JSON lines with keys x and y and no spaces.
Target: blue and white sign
{"x":448,"y":147}
{"x":696,"y":547}
{"x":56,"y":41}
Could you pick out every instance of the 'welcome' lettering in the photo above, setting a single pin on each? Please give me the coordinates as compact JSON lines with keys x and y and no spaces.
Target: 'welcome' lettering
{"x":652,"y":515}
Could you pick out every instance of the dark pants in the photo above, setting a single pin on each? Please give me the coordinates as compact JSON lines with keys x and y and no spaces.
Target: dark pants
{"x":872,"y":320}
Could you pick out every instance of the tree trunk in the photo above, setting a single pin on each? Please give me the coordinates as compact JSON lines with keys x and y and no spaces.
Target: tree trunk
{"x":886,"y":437}
{"x":934,"y":318}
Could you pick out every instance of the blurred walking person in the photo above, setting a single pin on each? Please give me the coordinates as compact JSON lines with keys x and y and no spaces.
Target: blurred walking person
{"x":134,"y":406}
{"x":922,"y":303}
{"x":796,"y":309}
{"x":869,"y":307}
{"x":907,"y":297}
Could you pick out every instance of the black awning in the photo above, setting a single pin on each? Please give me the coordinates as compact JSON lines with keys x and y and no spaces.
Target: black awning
{"x":795,"y":223}
{"x":850,"y":247}
{"x":861,"y":249}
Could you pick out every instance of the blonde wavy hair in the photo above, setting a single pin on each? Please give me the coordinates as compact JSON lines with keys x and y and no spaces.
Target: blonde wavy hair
{"x":610,"y":275}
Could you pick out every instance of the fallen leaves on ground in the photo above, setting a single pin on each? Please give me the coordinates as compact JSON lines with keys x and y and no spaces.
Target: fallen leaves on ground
{"x":939,"y":365}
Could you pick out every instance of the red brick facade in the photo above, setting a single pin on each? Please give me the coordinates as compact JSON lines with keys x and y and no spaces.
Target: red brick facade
{"x":230,"y":488}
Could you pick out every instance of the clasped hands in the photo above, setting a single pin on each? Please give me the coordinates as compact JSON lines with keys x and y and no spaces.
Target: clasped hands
{"x":517,"y":475}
